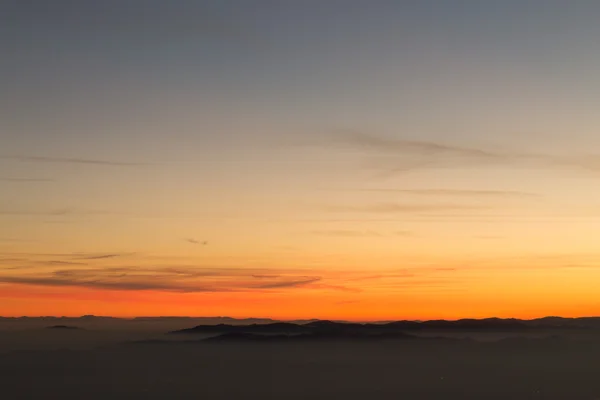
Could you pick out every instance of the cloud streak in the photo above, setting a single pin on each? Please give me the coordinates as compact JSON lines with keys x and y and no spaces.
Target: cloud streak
{"x":456,"y":192}
{"x":348,"y":233}
{"x":339,"y":288}
{"x":415,"y":147}
{"x":72,"y":160}
{"x":52,"y":213}
{"x":302,"y":281}
{"x":100,"y":256}
{"x":45,"y":271}
{"x":345,"y":233}
{"x":100,"y":284}
{"x":401,"y":155}
{"x":53,"y":263}
{"x":189,"y":281}
{"x":194,"y":241}
{"x":27,"y":180}
{"x":55,"y":270}
{"x":398,"y":208}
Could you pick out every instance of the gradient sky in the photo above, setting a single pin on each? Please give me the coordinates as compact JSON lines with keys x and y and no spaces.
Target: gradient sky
{"x":290,"y":159}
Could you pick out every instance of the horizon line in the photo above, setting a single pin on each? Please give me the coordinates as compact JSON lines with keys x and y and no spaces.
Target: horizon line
{"x":290,"y":319}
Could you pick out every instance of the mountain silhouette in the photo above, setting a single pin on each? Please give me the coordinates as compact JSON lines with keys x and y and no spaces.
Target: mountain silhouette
{"x":64,"y":327}
{"x":276,"y":327}
{"x":336,"y":336}
{"x":347,"y":328}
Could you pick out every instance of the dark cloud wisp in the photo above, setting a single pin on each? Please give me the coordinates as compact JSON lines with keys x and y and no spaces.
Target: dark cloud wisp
{"x":392,"y":208}
{"x":72,"y":160}
{"x":27,"y":180}
{"x":393,"y":155}
{"x":184,"y":280}
{"x":455,"y":192}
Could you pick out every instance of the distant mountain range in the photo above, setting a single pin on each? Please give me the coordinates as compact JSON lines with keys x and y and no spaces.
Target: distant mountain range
{"x":308,"y":337}
{"x":225,"y":325}
{"x":63,"y":327}
{"x":202,"y":320}
{"x":94,"y":318}
{"x":348,"y":329}
{"x":92,"y":322}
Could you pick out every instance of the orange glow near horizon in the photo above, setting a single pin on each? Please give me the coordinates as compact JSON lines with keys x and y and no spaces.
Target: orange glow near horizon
{"x":436,"y":299}
{"x":388,"y":160}
{"x":413,"y":285}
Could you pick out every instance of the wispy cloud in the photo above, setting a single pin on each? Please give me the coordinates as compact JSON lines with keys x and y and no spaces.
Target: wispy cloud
{"x":287,"y":283}
{"x":101,"y":256}
{"x":63,"y":270}
{"x":69,"y":160}
{"x":64,"y":258}
{"x":340,"y":288}
{"x":53,"y":263}
{"x":455,"y":192}
{"x":391,"y":208}
{"x":394,"y":155}
{"x":11,"y":260}
{"x":101,"y":284}
{"x":416,"y":147}
{"x":27,"y":180}
{"x":345,"y":233}
{"x":182,"y":279}
{"x":348,"y":233}
{"x":61,"y":212}
{"x":194,"y":241}
{"x":364,"y":278}
{"x":88,"y":270}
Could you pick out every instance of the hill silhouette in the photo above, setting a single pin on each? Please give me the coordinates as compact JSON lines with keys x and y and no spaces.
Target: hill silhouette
{"x":337,"y":336}
{"x":347,"y":328}
{"x":64,"y":327}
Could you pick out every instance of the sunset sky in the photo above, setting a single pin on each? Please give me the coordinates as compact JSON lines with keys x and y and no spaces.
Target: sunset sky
{"x":359,"y":160}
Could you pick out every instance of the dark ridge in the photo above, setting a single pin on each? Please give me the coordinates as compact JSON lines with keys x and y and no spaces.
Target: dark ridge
{"x":64,"y":327}
{"x":462,"y":325}
{"x":337,"y":326}
{"x":478,"y":324}
{"x":308,"y":337}
{"x":210,"y":320}
{"x":488,"y":324}
{"x":276,"y":327}
{"x":219,"y":328}
{"x":324,"y":322}
{"x":592,"y":321}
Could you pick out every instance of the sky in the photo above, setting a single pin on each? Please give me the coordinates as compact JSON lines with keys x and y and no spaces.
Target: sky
{"x":352,"y":159}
